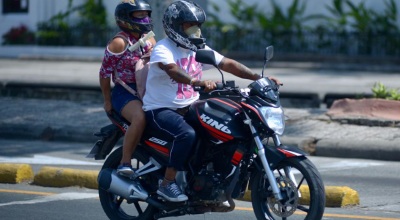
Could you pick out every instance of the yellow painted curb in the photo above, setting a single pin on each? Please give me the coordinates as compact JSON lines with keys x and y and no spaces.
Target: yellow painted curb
{"x":15,"y":173}
{"x":335,"y":196}
{"x":64,"y":177}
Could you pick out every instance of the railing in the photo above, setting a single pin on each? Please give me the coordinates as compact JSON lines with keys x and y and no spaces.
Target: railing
{"x":322,"y":43}
{"x":254,"y":42}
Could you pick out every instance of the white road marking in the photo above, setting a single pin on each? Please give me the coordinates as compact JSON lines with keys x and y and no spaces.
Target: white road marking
{"x":41,"y":159}
{"x":340,"y":165}
{"x":52,"y":198}
{"x":345,"y":165}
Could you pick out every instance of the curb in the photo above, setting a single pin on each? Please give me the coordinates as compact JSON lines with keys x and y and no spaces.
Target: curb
{"x":335,"y":196}
{"x":63,"y":177}
{"x":373,"y":149}
{"x":15,"y":173}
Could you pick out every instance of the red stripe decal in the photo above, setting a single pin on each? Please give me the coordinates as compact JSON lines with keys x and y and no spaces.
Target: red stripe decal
{"x":214,"y":130}
{"x":159,"y":148}
{"x":251,"y":107}
{"x":217,"y":136}
{"x":123,"y":130}
{"x":286,"y":153}
{"x":227,"y":104}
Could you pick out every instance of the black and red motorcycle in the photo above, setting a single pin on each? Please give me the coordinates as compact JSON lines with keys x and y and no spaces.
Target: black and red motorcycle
{"x":231,"y":155}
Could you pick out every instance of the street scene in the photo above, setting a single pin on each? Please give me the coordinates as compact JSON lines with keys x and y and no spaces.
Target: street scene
{"x":307,"y":128}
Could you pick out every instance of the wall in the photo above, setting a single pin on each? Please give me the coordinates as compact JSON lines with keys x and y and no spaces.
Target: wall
{"x":39,"y":10}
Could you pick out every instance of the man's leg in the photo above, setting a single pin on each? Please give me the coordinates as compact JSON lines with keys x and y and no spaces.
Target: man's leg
{"x":171,"y":123}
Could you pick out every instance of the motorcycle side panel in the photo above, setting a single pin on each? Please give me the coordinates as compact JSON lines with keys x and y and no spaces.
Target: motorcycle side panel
{"x":159,"y":147}
{"x":220,"y":119}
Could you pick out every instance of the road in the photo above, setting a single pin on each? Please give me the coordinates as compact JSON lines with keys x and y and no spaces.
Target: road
{"x":375,"y":181}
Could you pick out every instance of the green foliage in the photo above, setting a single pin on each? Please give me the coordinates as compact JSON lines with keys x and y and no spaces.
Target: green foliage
{"x":279,"y":20}
{"x":93,"y":13}
{"x":57,"y":31}
{"x":361,"y":18}
{"x":248,"y":17}
{"x":19,"y":35}
{"x":380,"y":91}
{"x":242,"y":13}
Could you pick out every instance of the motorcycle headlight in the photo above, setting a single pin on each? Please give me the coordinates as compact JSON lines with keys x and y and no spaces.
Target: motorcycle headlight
{"x":275,"y":118}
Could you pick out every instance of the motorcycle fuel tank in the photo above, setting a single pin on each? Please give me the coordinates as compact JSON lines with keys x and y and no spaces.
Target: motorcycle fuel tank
{"x":220,"y":119}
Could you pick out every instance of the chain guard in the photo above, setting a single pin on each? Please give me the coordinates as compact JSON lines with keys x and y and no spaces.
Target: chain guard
{"x":290,"y":204}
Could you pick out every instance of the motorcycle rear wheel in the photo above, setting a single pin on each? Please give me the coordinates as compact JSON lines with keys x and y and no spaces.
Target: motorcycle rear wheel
{"x":115,"y":207}
{"x":306,"y":175}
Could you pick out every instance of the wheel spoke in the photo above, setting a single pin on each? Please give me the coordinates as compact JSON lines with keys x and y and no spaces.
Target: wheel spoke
{"x":302,"y":208}
{"x":138,"y":208}
{"x":301,"y":182}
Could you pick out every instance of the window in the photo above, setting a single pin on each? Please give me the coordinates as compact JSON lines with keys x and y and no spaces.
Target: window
{"x":15,"y":6}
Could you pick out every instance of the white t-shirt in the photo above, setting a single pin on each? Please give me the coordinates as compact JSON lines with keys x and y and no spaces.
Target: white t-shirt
{"x":161,"y":90}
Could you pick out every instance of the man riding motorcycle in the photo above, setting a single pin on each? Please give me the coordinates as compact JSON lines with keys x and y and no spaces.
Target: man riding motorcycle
{"x":169,"y":92}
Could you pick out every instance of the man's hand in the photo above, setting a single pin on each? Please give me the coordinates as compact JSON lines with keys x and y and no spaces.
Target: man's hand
{"x":275,"y":80}
{"x":208,"y":85}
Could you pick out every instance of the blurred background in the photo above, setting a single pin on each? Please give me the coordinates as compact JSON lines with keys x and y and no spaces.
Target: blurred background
{"x":331,"y":30}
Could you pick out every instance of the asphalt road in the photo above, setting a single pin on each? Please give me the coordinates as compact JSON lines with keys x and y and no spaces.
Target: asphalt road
{"x":375,"y":181}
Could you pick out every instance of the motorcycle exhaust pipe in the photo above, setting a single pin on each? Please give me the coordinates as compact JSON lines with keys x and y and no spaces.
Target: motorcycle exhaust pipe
{"x":110,"y":181}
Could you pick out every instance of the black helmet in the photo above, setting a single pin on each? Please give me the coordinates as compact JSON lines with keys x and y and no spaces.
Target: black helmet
{"x":124,"y":20}
{"x":178,"y":13}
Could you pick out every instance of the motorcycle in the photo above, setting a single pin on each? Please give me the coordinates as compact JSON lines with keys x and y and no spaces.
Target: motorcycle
{"x":232,"y":154}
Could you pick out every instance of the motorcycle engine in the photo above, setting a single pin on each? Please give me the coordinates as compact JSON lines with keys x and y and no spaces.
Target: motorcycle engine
{"x":205,"y":186}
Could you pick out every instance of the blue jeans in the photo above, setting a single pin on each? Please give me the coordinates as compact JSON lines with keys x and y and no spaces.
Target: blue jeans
{"x":172,"y":124}
{"x":120,"y":97}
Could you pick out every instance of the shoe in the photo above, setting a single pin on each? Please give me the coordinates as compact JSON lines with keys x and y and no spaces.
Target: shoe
{"x":171,"y":192}
{"x":125,"y":170}
{"x":225,"y":204}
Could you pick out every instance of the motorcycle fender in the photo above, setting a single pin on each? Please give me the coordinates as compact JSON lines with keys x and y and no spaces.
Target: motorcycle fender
{"x":274,"y":156}
{"x":277,"y":154}
{"x":103,"y":147}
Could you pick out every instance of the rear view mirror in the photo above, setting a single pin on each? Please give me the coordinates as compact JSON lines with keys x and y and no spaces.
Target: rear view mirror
{"x":269,"y":53}
{"x":206,"y":56}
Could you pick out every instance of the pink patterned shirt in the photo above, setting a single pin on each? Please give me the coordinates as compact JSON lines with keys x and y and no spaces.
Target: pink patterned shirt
{"x":123,"y":62}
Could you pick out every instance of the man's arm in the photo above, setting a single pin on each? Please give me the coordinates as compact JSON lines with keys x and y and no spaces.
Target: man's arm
{"x":240,"y":70}
{"x":237,"y":69}
{"x":180,"y":76}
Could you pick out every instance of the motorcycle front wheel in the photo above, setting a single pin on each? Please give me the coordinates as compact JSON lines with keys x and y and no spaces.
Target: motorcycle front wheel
{"x":303,"y":193}
{"x":116,"y":207}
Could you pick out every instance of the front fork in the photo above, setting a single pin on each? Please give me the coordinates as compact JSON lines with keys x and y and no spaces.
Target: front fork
{"x":264,"y":161}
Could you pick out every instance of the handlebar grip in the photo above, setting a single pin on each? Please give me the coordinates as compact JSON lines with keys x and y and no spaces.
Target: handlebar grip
{"x":199,"y":88}
{"x":220,"y":85}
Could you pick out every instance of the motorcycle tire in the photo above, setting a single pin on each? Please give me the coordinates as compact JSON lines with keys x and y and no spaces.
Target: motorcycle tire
{"x":306,"y":175}
{"x":115,"y":207}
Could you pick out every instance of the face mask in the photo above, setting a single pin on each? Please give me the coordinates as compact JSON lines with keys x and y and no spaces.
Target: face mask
{"x":142,"y":20}
{"x":193,"y":32}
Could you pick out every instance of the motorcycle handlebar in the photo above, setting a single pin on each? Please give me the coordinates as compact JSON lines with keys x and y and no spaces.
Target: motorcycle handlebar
{"x":201,"y":88}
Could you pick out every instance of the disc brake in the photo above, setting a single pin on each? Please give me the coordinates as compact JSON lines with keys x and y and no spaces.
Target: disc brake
{"x":288,"y":205}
